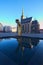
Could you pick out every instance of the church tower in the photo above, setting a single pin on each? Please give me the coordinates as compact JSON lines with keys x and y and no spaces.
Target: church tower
{"x":22,"y":16}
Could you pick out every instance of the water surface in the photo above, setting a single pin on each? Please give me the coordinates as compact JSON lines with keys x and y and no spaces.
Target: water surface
{"x":21,"y":51}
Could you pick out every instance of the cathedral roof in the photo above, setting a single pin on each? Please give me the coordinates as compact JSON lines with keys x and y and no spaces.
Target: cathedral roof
{"x":26,"y":20}
{"x":35,"y":22}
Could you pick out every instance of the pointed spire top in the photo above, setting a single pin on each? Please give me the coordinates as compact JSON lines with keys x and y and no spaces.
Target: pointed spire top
{"x":22,"y":17}
{"x":22,"y":12}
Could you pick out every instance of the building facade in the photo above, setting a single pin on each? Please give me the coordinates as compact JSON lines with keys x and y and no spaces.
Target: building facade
{"x":41,"y":31}
{"x":35,"y":28}
{"x":29,"y":26}
{"x":7,"y":29}
{"x":14,"y":29}
{"x":1,"y":27}
{"x":26,"y":24}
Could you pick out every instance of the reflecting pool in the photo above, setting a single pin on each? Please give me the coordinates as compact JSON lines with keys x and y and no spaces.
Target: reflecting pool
{"x":21,"y":51}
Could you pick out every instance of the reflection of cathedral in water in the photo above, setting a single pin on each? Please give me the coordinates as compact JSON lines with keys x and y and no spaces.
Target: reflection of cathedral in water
{"x":27,"y":43}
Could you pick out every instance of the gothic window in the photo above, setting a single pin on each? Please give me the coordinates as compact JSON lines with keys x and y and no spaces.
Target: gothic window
{"x":28,"y":27}
{"x":22,"y":28}
{"x":25,"y":28}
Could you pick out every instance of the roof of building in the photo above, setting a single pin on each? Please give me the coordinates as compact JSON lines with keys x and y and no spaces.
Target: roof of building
{"x":35,"y":22}
{"x":26,"y":20}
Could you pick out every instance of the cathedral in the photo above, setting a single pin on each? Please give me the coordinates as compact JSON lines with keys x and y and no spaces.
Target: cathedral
{"x":27,"y":25}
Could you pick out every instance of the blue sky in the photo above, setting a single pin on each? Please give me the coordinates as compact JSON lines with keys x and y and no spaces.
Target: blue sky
{"x":12,"y":9}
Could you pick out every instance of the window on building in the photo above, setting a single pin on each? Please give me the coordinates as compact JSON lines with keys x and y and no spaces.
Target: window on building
{"x":25,"y":27}
{"x":28,"y":27}
{"x":22,"y":28}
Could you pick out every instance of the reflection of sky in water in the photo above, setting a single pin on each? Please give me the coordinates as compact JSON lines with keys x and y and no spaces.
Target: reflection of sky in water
{"x":15,"y":53}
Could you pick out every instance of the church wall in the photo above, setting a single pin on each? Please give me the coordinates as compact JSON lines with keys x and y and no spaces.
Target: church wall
{"x":26,"y":28}
{"x":23,"y":28}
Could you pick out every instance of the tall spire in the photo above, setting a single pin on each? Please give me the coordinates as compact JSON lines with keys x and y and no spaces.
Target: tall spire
{"x":22,"y":17}
{"x":22,"y":12}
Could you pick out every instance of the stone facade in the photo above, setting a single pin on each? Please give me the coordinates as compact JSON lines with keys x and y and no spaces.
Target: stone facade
{"x":1,"y":27}
{"x":27,"y":25}
{"x":35,"y":28}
